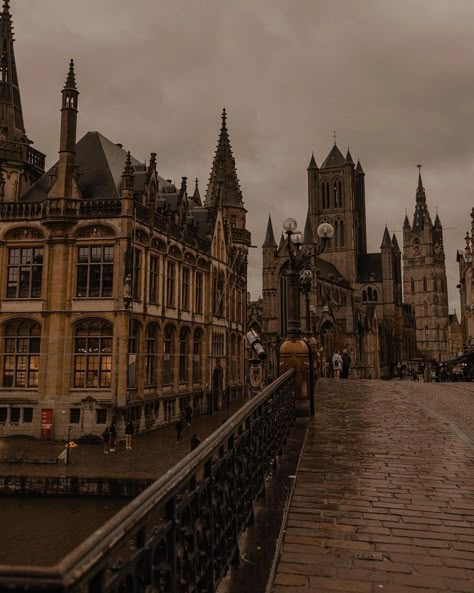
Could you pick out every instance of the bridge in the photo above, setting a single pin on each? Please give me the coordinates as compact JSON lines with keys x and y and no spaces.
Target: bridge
{"x":383,"y":500}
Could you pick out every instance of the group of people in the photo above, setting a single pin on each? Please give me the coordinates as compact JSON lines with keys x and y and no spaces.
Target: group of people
{"x":110,"y":437}
{"x":341,"y":365}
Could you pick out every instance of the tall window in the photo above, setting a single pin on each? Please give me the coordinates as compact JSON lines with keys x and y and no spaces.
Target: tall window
{"x":154,"y":279}
{"x":197,"y":348}
{"x":425,"y":285}
{"x":25,"y":268}
{"x":170,"y":282}
{"x":198,"y":293}
{"x":412,"y":284}
{"x":93,"y":354}
{"x":95,"y":270}
{"x":185,"y":287}
{"x":151,"y":361}
{"x":183,"y":355}
{"x":137,"y":273}
{"x":168,"y":353}
{"x":21,"y":357}
{"x":133,"y":342}
{"x":233,"y":363}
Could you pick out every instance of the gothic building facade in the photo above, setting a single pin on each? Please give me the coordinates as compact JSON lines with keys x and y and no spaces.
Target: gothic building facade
{"x":357,"y":300}
{"x":122,"y":295}
{"x":425,"y":284}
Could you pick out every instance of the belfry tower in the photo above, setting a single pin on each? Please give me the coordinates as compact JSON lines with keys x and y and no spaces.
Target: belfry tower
{"x":424,"y":278}
{"x":22,"y":165}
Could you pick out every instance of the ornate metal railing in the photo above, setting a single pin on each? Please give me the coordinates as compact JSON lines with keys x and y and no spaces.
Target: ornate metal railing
{"x":60,"y":208}
{"x":19,"y":151}
{"x":181,"y":534}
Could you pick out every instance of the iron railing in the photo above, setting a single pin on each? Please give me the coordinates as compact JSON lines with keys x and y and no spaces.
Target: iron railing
{"x":181,"y":534}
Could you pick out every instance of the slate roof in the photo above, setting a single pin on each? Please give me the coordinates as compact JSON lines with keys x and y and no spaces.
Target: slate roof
{"x":328,"y":271}
{"x":367,"y":264}
{"x":100,"y":164}
{"x":334,"y":159}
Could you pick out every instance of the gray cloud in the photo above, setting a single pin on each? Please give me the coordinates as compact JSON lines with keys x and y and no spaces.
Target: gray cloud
{"x":393,"y":78}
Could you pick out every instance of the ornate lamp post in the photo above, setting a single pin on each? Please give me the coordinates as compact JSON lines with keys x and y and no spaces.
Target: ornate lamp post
{"x":295,"y":352}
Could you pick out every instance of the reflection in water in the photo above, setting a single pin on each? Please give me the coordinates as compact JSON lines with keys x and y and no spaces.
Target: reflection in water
{"x":42,"y":530}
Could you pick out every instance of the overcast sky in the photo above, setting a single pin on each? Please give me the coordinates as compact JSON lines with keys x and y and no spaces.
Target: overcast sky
{"x":394,"y":79}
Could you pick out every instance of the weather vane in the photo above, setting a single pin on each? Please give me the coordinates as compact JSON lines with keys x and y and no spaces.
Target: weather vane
{"x":419,"y":168}
{"x":334,"y":136}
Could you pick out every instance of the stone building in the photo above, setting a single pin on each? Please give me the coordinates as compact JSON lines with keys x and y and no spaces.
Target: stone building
{"x":425,"y":284}
{"x":466,"y":287}
{"x":122,"y":295}
{"x":356,"y":300}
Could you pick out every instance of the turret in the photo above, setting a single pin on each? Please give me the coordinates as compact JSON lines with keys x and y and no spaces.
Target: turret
{"x":65,"y":184}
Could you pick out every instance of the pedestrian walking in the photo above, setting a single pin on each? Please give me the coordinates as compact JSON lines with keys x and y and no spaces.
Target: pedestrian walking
{"x":129,"y":430}
{"x":179,"y":430}
{"x":113,"y":437}
{"x":195,"y":441}
{"x":189,"y":414}
{"x":337,"y":364}
{"x":346,"y":365}
{"x":106,"y":437}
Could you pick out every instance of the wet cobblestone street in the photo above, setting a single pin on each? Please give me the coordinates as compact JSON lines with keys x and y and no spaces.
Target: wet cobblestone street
{"x":384,"y":497}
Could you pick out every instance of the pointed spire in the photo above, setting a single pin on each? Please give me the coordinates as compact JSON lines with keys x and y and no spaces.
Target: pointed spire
{"x":128,"y":173}
{"x":386,"y":241}
{"x":224,"y":173}
{"x":269,"y":236}
{"x":312,"y":163}
{"x":71,"y":77}
{"x":359,"y":168}
{"x":196,"y":194}
{"x":422,"y":215}
{"x":395,"y":245}
{"x":349,"y":157}
{"x":406,"y":222}
{"x":308,"y":237}
{"x":12,"y":128}
{"x":420,"y":190}
{"x":437,"y":222}
{"x":335,"y":158}
{"x":184,"y":186}
{"x":281,"y":245}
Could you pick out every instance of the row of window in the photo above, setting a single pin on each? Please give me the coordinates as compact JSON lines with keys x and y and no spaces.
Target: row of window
{"x":16,"y":415}
{"x":93,"y":350}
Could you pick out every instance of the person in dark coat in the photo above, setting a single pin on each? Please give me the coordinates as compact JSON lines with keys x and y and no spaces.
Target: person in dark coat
{"x":113,"y":436}
{"x":189,"y":414}
{"x":195,"y":441}
{"x":179,"y":429}
{"x":346,"y":365}
{"x":129,"y":430}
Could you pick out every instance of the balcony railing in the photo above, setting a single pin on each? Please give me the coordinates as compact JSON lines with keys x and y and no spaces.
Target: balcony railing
{"x":181,"y":534}
{"x":17,"y":151}
{"x":59,"y":208}
{"x":240,"y":236}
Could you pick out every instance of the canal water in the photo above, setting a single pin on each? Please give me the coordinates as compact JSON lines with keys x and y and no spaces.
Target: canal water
{"x":41,"y":531}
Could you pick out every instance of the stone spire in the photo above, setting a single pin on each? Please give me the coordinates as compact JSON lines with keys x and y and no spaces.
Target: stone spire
{"x":128,"y":173}
{"x":359,"y":168}
{"x":386,"y":241}
{"x":422,"y":215}
{"x":224,"y":173}
{"x":349,"y":157}
{"x":406,"y":222}
{"x":269,"y":236}
{"x":395,"y":245}
{"x":308,"y":237}
{"x":196,"y":194}
{"x":12,"y":127}
{"x":312,"y":163}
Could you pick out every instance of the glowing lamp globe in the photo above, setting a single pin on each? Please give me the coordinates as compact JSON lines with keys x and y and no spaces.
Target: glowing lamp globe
{"x":290,"y":225}
{"x":325,"y":230}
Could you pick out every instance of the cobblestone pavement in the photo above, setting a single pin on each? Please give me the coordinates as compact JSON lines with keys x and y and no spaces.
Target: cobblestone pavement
{"x":384,"y":495}
{"x":152,"y":455}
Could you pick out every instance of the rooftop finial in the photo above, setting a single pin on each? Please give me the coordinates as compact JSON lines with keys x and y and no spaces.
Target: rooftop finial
{"x":128,"y":169}
{"x":71,"y":77}
{"x":420,"y":184}
{"x":334,"y":137}
{"x":224,"y":118}
{"x":6,"y":7}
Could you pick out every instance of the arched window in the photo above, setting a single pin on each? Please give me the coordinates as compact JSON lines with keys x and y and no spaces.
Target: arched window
{"x":93,"y":354}
{"x":197,"y":354}
{"x":151,"y":362}
{"x":325,"y":194}
{"x":340,"y":193}
{"x":21,"y":353}
{"x":425,"y":284}
{"x":168,"y":355}
{"x":183,"y":354}
{"x":412,"y":284}
{"x":369,"y":293}
{"x":375,"y":295}
{"x":364,"y":296}
{"x":133,"y":341}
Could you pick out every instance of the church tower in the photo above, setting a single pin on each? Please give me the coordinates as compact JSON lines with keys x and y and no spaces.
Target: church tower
{"x":22,"y":165}
{"x":424,"y":278}
{"x":336,"y":194}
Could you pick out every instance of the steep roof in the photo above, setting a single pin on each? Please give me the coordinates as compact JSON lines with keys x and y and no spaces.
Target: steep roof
{"x":224,"y":185}
{"x":335,"y":158}
{"x":422,"y":215}
{"x":100,"y":165}
{"x":328,"y":271}
{"x":386,"y":241}
{"x":269,"y":236}
{"x":308,"y":237}
{"x":359,"y":168}
{"x":312,"y":163}
{"x":367,"y":264}
{"x":395,"y":245}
